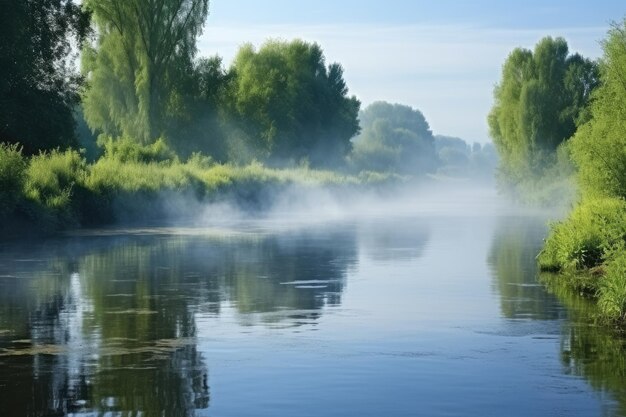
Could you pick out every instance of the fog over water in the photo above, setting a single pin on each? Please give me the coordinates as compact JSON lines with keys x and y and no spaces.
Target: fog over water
{"x":326,"y":306}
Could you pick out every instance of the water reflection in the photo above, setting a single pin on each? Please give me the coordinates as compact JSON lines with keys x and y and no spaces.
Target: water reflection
{"x":591,"y":350}
{"x":587,"y":349}
{"x":394,"y":239}
{"x":512,"y":260}
{"x":110,"y":323}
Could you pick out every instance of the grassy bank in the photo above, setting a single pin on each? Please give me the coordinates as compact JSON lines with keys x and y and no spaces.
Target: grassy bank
{"x":588,"y":250}
{"x":60,"y":190}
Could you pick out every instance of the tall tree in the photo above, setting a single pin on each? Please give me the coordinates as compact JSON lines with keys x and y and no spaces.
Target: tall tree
{"x":38,"y":82}
{"x":291,"y":105}
{"x":599,"y":147}
{"x":134,"y":68}
{"x":542,"y":96}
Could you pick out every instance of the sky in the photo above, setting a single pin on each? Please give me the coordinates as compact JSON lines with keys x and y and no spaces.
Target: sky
{"x":442,"y":57}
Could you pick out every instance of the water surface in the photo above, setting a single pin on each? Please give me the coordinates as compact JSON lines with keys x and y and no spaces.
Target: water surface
{"x":435,"y":310}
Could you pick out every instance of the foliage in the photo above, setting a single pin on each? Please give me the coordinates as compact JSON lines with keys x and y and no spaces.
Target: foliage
{"x":12,"y":176}
{"x":38,"y":84}
{"x":592,"y":240}
{"x":542,"y":96}
{"x":52,"y":176}
{"x":203,"y":127}
{"x":394,"y":138}
{"x":583,"y":240}
{"x":290,"y":105}
{"x":143,"y":53}
{"x":125,"y":149}
{"x":599,"y":147}
{"x":59,"y":189}
{"x":612,"y":288}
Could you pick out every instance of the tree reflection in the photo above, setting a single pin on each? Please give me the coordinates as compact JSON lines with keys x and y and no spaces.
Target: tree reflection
{"x":512,"y":259}
{"x":588,"y":349}
{"x":108,"y":324}
{"x":591,"y":350}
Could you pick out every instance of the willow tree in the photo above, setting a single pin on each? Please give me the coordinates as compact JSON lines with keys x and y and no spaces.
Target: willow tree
{"x":599,"y":147}
{"x":542,"y":97}
{"x":135,"y":66}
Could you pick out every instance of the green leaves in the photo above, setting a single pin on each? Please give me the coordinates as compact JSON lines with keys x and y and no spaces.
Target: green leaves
{"x":38,"y":84}
{"x":395,"y":138}
{"x":291,"y":105}
{"x":138,"y":64}
{"x":541,"y":97}
{"x":599,"y":147}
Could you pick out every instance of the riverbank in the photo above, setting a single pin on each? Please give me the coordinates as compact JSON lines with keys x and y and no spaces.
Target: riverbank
{"x":588,"y":252}
{"x":57,"y":191}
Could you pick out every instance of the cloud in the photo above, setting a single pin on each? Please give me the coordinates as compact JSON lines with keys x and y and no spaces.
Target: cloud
{"x":446,"y":71}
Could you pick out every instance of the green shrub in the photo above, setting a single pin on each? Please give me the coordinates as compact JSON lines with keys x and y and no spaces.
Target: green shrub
{"x":583,"y":239}
{"x":12,"y":175}
{"x":125,"y":149}
{"x":612,"y":288}
{"x":51,"y":181}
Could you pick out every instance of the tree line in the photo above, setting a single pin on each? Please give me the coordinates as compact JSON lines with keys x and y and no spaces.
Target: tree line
{"x":561,"y":117}
{"x":141,"y":81}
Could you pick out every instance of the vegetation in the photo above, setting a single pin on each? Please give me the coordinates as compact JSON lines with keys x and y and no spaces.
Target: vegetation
{"x":542,"y":97}
{"x":57,"y":189}
{"x":589,"y":247}
{"x":290,"y":105}
{"x":394,"y":138}
{"x":138,"y":63}
{"x":456,"y":158}
{"x":38,"y":84}
{"x":148,"y":121}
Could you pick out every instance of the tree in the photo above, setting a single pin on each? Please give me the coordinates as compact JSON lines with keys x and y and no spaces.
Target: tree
{"x":203,"y":127}
{"x":143,"y":51}
{"x":290,"y":105}
{"x":38,"y":84}
{"x":541,"y":98}
{"x":599,"y":147}
{"x":394,"y":138}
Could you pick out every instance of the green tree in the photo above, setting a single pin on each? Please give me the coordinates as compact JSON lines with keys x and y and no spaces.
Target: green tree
{"x":542,"y":96}
{"x":135,"y":67}
{"x":599,"y":147}
{"x":394,"y":138}
{"x":203,"y":127}
{"x":38,"y":82}
{"x":291,"y":105}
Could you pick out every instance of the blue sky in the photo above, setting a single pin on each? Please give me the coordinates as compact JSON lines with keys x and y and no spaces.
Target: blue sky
{"x":442,"y":57}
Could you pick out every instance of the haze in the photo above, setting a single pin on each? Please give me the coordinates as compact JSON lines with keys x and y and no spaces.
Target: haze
{"x":409,"y":52}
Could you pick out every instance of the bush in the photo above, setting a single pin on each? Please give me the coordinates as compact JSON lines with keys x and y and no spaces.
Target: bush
{"x":125,"y":149}
{"x":50,"y":182}
{"x":612,"y":288}
{"x":586,"y":236}
{"x":12,"y":175}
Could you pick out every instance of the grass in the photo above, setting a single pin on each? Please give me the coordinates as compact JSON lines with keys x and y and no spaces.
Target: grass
{"x":58,"y":190}
{"x":588,"y":249}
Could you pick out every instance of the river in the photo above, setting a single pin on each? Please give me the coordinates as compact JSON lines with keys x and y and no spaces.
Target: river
{"x":433,"y":311}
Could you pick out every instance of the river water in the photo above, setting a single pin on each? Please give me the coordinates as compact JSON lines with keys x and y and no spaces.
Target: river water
{"x":432,"y":310}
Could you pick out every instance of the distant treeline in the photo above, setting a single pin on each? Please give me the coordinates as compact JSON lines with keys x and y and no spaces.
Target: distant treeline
{"x":560,"y":119}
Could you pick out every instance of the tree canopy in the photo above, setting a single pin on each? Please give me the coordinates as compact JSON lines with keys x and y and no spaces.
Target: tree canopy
{"x":394,"y":138}
{"x":542,"y":96}
{"x":599,"y":147}
{"x":135,"y":67}
{"x":291,"y":105}
{"x":38,"y":83}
